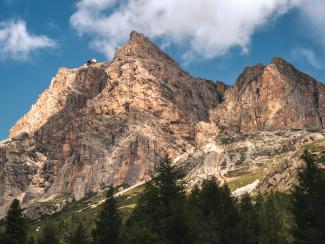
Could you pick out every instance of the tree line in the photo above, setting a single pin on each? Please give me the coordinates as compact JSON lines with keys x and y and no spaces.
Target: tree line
{"x":209,"y":214}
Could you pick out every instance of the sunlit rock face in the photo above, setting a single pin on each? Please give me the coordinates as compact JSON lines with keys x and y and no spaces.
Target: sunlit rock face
{"x":110,"y":123}
{"x":272,"y":97}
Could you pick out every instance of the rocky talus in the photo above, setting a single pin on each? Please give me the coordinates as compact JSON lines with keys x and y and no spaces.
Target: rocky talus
{"x":110,"y":123}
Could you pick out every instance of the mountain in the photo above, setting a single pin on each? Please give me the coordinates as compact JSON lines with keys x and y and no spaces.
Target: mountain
{"x":273,"y":97}
{"x":110,"y":123}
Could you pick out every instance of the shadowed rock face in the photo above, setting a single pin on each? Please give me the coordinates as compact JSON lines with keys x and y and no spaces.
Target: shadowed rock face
{"x":272,"y":97}
{"x":111,"y":122}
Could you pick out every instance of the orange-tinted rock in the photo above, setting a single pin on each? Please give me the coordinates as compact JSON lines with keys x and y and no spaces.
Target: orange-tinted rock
{"x":112,"y":122}
{"x":272,"y":97}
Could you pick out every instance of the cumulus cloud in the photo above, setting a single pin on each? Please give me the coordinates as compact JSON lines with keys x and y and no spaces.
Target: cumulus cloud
{"x":307,"y":55}
{"x":209,"y":28}
{"x":313,"y":12}
{"x":17,"y":43}
{"x":206,"y":28}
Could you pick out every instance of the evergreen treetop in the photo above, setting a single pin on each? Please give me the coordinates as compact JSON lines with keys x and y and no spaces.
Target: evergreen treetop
{"x":16,"y":225}
{"x":309,"y":203}
{"x":109,"y":221}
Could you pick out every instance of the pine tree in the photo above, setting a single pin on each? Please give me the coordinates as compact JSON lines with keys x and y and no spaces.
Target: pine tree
{"x":277,"y":230}
{"x":109,"y":221}
{"x":49,"y":235}
{"x":271,"y":221}
{"x":309,"y":203}
{"x":31,"y":240}
{"x":259,"y":218}
{"x":218,"y":213}
{"x":247,"y":221}
{"x":141,"y":235}
{"x":202,"y":233}
{"x":79,"y":236}
{"x":16,"y":225}
{"x":2,"y":238}
{"x":161,"y":208}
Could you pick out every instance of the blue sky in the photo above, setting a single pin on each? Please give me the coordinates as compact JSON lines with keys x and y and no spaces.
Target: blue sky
{"x":213,"y":39}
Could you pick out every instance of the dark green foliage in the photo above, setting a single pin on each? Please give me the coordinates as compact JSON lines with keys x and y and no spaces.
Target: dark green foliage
{"x":248,"y":223}
{"x":79,"y":236}
{"x":221,"y":219}
{"x":161,"y":209}
{"x":16,"y":225}
{"x":164,"y":213}
{"x":109,"y":221}
{"x":217,"y":212}
{"x":2,"y":240}
{"x":31,"y":240}
{"x":49,"y":235}
{"x":141,"y":235}
{"x":272,"y":221}
{"x":309,"y":203}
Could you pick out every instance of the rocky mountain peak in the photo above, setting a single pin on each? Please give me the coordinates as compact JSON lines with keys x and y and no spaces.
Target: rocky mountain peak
{"x":136,"y":37}
{"x":272,"y":97}
{"x":140,"y":46}
{"x":109,"y":123}
{"x":280,"y":61}
{"x":255,"y":73}
{"x":249,"y":74}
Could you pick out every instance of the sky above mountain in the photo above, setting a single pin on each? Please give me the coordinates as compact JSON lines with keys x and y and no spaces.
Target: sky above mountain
{"x":213,"y":39}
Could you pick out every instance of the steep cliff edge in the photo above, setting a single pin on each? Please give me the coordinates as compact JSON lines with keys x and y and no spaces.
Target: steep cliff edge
{"x":110,"y":123}
{"x":272,"y":97}
{"x":107,"y":123}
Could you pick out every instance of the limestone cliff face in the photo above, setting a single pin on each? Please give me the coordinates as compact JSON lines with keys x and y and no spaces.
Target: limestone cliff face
{"x":110,"y":123}
{"x":272,"y":97}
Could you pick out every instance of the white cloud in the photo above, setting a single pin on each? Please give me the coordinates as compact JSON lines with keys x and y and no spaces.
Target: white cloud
{"x":207,"y":28}
{"x":308,"y":55}
{"x":17,"y":43}
{"x":313,"y":12}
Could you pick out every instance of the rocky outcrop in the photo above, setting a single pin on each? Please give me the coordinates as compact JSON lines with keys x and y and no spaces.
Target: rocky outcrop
{"x":23,"y":173}
{"x":107,"y":123}
{"x":271,"y":157}
{"x":272,"y":97}
{"x":110,"y":123}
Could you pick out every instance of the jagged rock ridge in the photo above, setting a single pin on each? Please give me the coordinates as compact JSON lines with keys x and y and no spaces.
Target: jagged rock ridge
{"x":106,"y":123}
{"x":111,"y":122}
{"x":272,"y":97}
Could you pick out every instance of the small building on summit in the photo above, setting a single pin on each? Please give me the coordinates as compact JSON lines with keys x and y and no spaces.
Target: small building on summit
{"x":91,"y":61}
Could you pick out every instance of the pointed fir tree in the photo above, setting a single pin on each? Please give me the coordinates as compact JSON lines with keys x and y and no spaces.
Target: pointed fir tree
{"x":161,"y":208}
{"x":2,"y":238}
{"x":277,"y":230}
{"x":49,"y":235}
{"x":141,"y":235}
{"x":31,"y":240}
{"x":270,"y":220}
{"x":309,"y":203}
{"x":16,"y":225}
{"x":218,"y":213}
{"x":109,"y":222}
{"x":79,"y":236}
{"x":259,"y":218}
{"x":247,"y":221}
